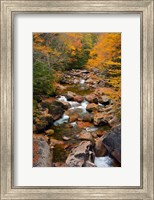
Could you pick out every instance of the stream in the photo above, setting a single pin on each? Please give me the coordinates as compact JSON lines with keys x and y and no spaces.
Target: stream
{"x":105,"y":161}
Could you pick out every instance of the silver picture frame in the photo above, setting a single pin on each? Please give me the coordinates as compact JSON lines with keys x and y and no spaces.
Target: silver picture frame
{"x":8,"y":10}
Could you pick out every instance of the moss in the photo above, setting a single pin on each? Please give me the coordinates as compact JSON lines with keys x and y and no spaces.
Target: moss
{"x":59,"y":155}
{"x":78,"y":90}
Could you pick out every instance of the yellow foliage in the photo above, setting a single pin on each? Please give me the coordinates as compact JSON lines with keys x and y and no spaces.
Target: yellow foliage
{"x":106,"y":51}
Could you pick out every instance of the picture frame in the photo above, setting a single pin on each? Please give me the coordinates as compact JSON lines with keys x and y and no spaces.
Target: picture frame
{"x":8,"y":11}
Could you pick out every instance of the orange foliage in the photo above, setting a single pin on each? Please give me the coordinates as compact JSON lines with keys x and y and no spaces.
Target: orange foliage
{"x":106,"y":52}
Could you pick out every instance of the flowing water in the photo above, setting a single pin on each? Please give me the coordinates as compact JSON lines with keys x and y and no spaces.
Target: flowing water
{"x":105,"y":161}
{"x":82,"y":81}
{"x":74,"y":105}
{"x":62,"y":120}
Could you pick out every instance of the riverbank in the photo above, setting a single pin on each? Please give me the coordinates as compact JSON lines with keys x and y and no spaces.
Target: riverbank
{"x":80,"y":126}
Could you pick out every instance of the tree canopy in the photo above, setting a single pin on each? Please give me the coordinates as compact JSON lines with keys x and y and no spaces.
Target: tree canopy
{"x":53,"y":52}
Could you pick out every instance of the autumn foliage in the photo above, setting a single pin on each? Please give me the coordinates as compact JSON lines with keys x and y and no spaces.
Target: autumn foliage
{"x":53,"y":52}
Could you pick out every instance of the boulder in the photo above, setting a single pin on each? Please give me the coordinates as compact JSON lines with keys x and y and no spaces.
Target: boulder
{"x":99,"y":119}
{"x":55,"y":109}
{"x":92,"y":107}
{"x":80,"y":155}
{"x":62,"y":104}
{"x":100,"y":149}
{"x":82,"y":124}
{"x":91,"y":98}
{"x":42,"y":123}
{"x":56,"y":112}
{"x":78,"y":98}
{"x":71,"y":96}
{"x":104,"y":100}
{"x":73,"y":117}
{"x":85,"y":135}
{"x":42,"y":154}
{"x":87,"y":117}
{"x":112,"y":142}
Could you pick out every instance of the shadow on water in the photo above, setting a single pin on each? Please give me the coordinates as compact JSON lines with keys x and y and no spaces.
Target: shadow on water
{"x":61,"y":151}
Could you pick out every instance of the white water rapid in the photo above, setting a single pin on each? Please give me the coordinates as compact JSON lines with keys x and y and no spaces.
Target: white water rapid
{"x":105,"y":161}
{"x":82,"y":81}
{"x":74,"y":105}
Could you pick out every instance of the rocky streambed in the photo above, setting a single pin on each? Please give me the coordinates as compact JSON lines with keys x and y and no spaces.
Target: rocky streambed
{"x":80,"y":126}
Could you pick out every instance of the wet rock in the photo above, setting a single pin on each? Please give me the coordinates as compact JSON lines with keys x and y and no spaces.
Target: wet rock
{"x":71,"y":96}
{"x":56,"y":112}
{"x":55,"y":109}
{"x":84,"y":135}
{"x":73,"y":117}
{"x":49,"y":132}
{"x":74,"y":111}
{"x":62,"y":104}
{"x":78,"y":98}
{"x":99,"y":119}
{"x":82,"y":124}
{"x":92,"y":107}
{"x":42,"y":154}
{"x":91,"y":98}
{"x":113,"y":142}
{"x":79,"y":155}
{"x":100,"y":149}
{"x":104,"y":100}
{"x":57,"y":103}
{"x":87,"y":117}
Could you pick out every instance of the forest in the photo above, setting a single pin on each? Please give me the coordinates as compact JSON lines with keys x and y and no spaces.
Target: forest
{"x":76,"y":99}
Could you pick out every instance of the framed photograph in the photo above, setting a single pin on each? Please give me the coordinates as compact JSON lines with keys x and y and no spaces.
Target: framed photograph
{"x":77,"y":100}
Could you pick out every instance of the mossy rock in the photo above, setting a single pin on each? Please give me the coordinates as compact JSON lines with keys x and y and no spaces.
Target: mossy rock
{"x":50,"y":132}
